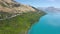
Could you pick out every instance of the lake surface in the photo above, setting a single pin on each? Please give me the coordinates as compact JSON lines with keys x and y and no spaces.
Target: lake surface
{"x":48,"y":24}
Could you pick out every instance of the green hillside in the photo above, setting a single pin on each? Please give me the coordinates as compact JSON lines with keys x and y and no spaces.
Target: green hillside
{"x":19,"y":24}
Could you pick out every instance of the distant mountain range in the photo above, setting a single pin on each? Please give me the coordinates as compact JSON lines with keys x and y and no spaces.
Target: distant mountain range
{"x":50,"y":9}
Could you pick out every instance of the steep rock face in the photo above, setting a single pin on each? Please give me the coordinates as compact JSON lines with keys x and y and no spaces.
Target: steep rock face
{"x":17,"y":18}
{"x":14,"y":7}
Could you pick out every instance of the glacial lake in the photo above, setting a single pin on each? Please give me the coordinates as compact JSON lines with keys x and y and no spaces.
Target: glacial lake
{"x":47,"y":24}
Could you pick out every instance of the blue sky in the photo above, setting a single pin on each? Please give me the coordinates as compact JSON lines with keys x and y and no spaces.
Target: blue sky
{"x":41,"y":3}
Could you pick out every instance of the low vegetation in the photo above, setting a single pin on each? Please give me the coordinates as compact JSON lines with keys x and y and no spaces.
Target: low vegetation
{"x":19,"y":24}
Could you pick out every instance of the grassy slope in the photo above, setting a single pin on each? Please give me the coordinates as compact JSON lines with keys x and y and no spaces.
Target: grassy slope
{"x":19,"y":24}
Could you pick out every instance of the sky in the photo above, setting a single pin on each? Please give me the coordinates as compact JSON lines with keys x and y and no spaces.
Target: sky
{"x":41,"y":3}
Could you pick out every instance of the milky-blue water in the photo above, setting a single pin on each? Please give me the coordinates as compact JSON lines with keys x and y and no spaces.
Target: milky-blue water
{"x":47,"y":24}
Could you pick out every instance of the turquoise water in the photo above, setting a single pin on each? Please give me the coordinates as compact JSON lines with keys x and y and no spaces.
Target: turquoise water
{"x":48,"y":24}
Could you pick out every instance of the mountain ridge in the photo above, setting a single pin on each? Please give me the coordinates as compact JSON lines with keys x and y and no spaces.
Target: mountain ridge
{"x":50,"y":9}
{"x":14,"y":8}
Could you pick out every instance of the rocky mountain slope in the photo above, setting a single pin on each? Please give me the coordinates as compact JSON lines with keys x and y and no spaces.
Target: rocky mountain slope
{"x":16,"y":18}
{"x":13,"y":8}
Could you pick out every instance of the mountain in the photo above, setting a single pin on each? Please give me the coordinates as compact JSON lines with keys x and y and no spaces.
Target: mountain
{"x":50,"y":9}
{"x":17,"y":18}
{"x":13,"y":8}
